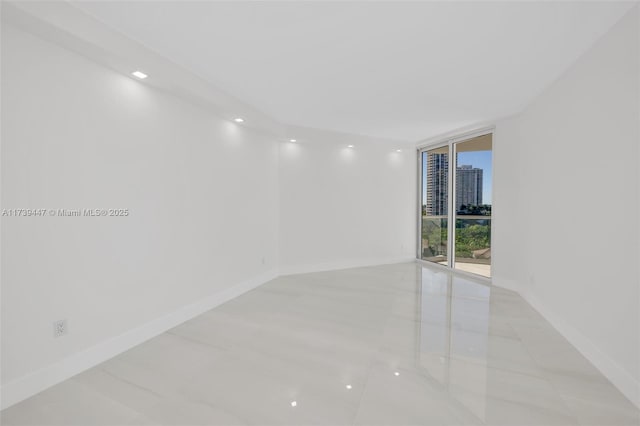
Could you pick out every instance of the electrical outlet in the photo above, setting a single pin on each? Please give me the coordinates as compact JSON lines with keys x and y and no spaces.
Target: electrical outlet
{"x":264,"y":260}
{"x":60,"y":328}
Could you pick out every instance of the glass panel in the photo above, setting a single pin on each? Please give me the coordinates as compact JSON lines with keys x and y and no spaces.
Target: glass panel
{"x":473,"y":205}
{"x":435,"y":200}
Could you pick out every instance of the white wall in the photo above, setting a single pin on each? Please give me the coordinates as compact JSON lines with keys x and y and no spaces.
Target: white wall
{"x":507,"y":224}
{"x":568,"y":204}
{"x":202,"y":195}
{"x":342,"y":207}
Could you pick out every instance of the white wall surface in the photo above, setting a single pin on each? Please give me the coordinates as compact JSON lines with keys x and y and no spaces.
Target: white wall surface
{"x":568,"y":204}
{"x":342,"y":207}
{"x":507,"y":259}
{"x":201,"y":191}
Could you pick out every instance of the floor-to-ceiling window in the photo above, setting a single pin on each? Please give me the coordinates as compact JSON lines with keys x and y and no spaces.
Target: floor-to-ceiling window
{"x":455,"y":193}
{"x":435,"y":205}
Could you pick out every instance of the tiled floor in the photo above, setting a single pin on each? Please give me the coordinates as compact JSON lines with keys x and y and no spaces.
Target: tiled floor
{"x":387,"y":345}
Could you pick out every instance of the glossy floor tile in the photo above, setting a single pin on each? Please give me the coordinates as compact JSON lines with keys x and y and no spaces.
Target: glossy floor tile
{"x":387,"y":345}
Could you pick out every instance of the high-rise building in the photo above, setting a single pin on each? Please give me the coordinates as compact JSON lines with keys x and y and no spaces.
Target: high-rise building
{"x":468,"y":186}
{"x":437,"y":181}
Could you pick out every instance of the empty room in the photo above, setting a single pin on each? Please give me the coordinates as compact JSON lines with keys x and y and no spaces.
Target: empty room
{"x":320,"y":213}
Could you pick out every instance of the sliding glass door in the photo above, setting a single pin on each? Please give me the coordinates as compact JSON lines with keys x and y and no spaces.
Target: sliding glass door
{"x":455,"y":219}
{"x":473,"y":205}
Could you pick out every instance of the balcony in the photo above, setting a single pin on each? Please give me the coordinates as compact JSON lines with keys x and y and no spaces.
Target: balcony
{"x":472,"y":242}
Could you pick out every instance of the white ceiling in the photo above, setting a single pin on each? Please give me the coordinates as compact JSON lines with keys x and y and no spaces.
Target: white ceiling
{"x":401,"y":70}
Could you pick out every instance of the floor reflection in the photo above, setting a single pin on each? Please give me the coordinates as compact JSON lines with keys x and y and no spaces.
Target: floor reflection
{"x":454,"y":330}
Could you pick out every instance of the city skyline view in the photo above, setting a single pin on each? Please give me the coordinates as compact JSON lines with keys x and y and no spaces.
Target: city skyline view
{"x":477,"y":160}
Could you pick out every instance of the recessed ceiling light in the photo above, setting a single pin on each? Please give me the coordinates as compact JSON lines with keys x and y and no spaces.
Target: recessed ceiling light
{"x":398,"y":150}
{"x":349,"y":146}
{"x":396,"y":374}
{"x":294,"y":403}
{"x":348,"y":386}
{"x":292,"y":140}
{"x":139,"y":74}
{"x":238,"y":120}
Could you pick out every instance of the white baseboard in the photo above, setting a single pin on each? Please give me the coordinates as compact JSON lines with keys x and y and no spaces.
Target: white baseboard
{"x":621,"y":379}
{"x":507,"y":284}
{"x":343,"y":264}
{"x":33,"y":383}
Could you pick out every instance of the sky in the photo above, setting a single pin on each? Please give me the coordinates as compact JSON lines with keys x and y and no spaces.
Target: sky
{"x":479,"y":160}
